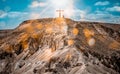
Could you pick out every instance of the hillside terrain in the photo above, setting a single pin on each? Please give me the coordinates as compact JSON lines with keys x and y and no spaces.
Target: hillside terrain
{"x":60,"y":46}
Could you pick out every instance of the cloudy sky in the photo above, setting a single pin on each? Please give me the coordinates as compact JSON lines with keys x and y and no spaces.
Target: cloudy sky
{"x":13,"y":12}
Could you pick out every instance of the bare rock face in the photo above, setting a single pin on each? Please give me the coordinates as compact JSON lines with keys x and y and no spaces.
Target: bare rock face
{"x":60,"y":46}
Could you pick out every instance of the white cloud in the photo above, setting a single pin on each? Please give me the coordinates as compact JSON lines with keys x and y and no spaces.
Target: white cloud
{"x":82,"y":14}
{"x":16,"y":14}
{"x":34,"y":16}
{"x":2,"y":14}
{"x":102,"y":3}
{"x":69,"y":10}
{"x":13,"y":14}
{"x":79,"y":14}
{"x":102,"y":16}
{"x":37,"y":4}
{"x":114,"y":8}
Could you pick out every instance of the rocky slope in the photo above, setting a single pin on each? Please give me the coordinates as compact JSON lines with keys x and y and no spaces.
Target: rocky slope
{"x":60,"y":46}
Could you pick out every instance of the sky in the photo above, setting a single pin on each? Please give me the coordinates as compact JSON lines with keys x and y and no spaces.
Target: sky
{"x":14,"y":12}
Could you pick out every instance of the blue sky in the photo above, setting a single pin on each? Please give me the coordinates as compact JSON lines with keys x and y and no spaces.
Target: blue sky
{"x":14,"y":12}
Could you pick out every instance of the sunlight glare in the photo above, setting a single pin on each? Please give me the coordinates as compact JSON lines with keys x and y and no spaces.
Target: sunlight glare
{"x":59,"y":4}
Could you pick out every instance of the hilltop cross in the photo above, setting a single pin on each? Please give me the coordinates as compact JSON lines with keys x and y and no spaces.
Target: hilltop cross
{"x":60,"y":13}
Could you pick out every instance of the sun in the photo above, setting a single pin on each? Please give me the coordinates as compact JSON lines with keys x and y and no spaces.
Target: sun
{"x":66,"y":5}
{"x":59,"y":3}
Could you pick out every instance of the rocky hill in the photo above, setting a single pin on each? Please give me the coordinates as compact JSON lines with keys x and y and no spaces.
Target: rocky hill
{"x":60,"y":46}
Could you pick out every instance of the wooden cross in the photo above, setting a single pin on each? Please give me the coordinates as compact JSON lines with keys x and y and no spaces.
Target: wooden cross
{"x":60,"y":13}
